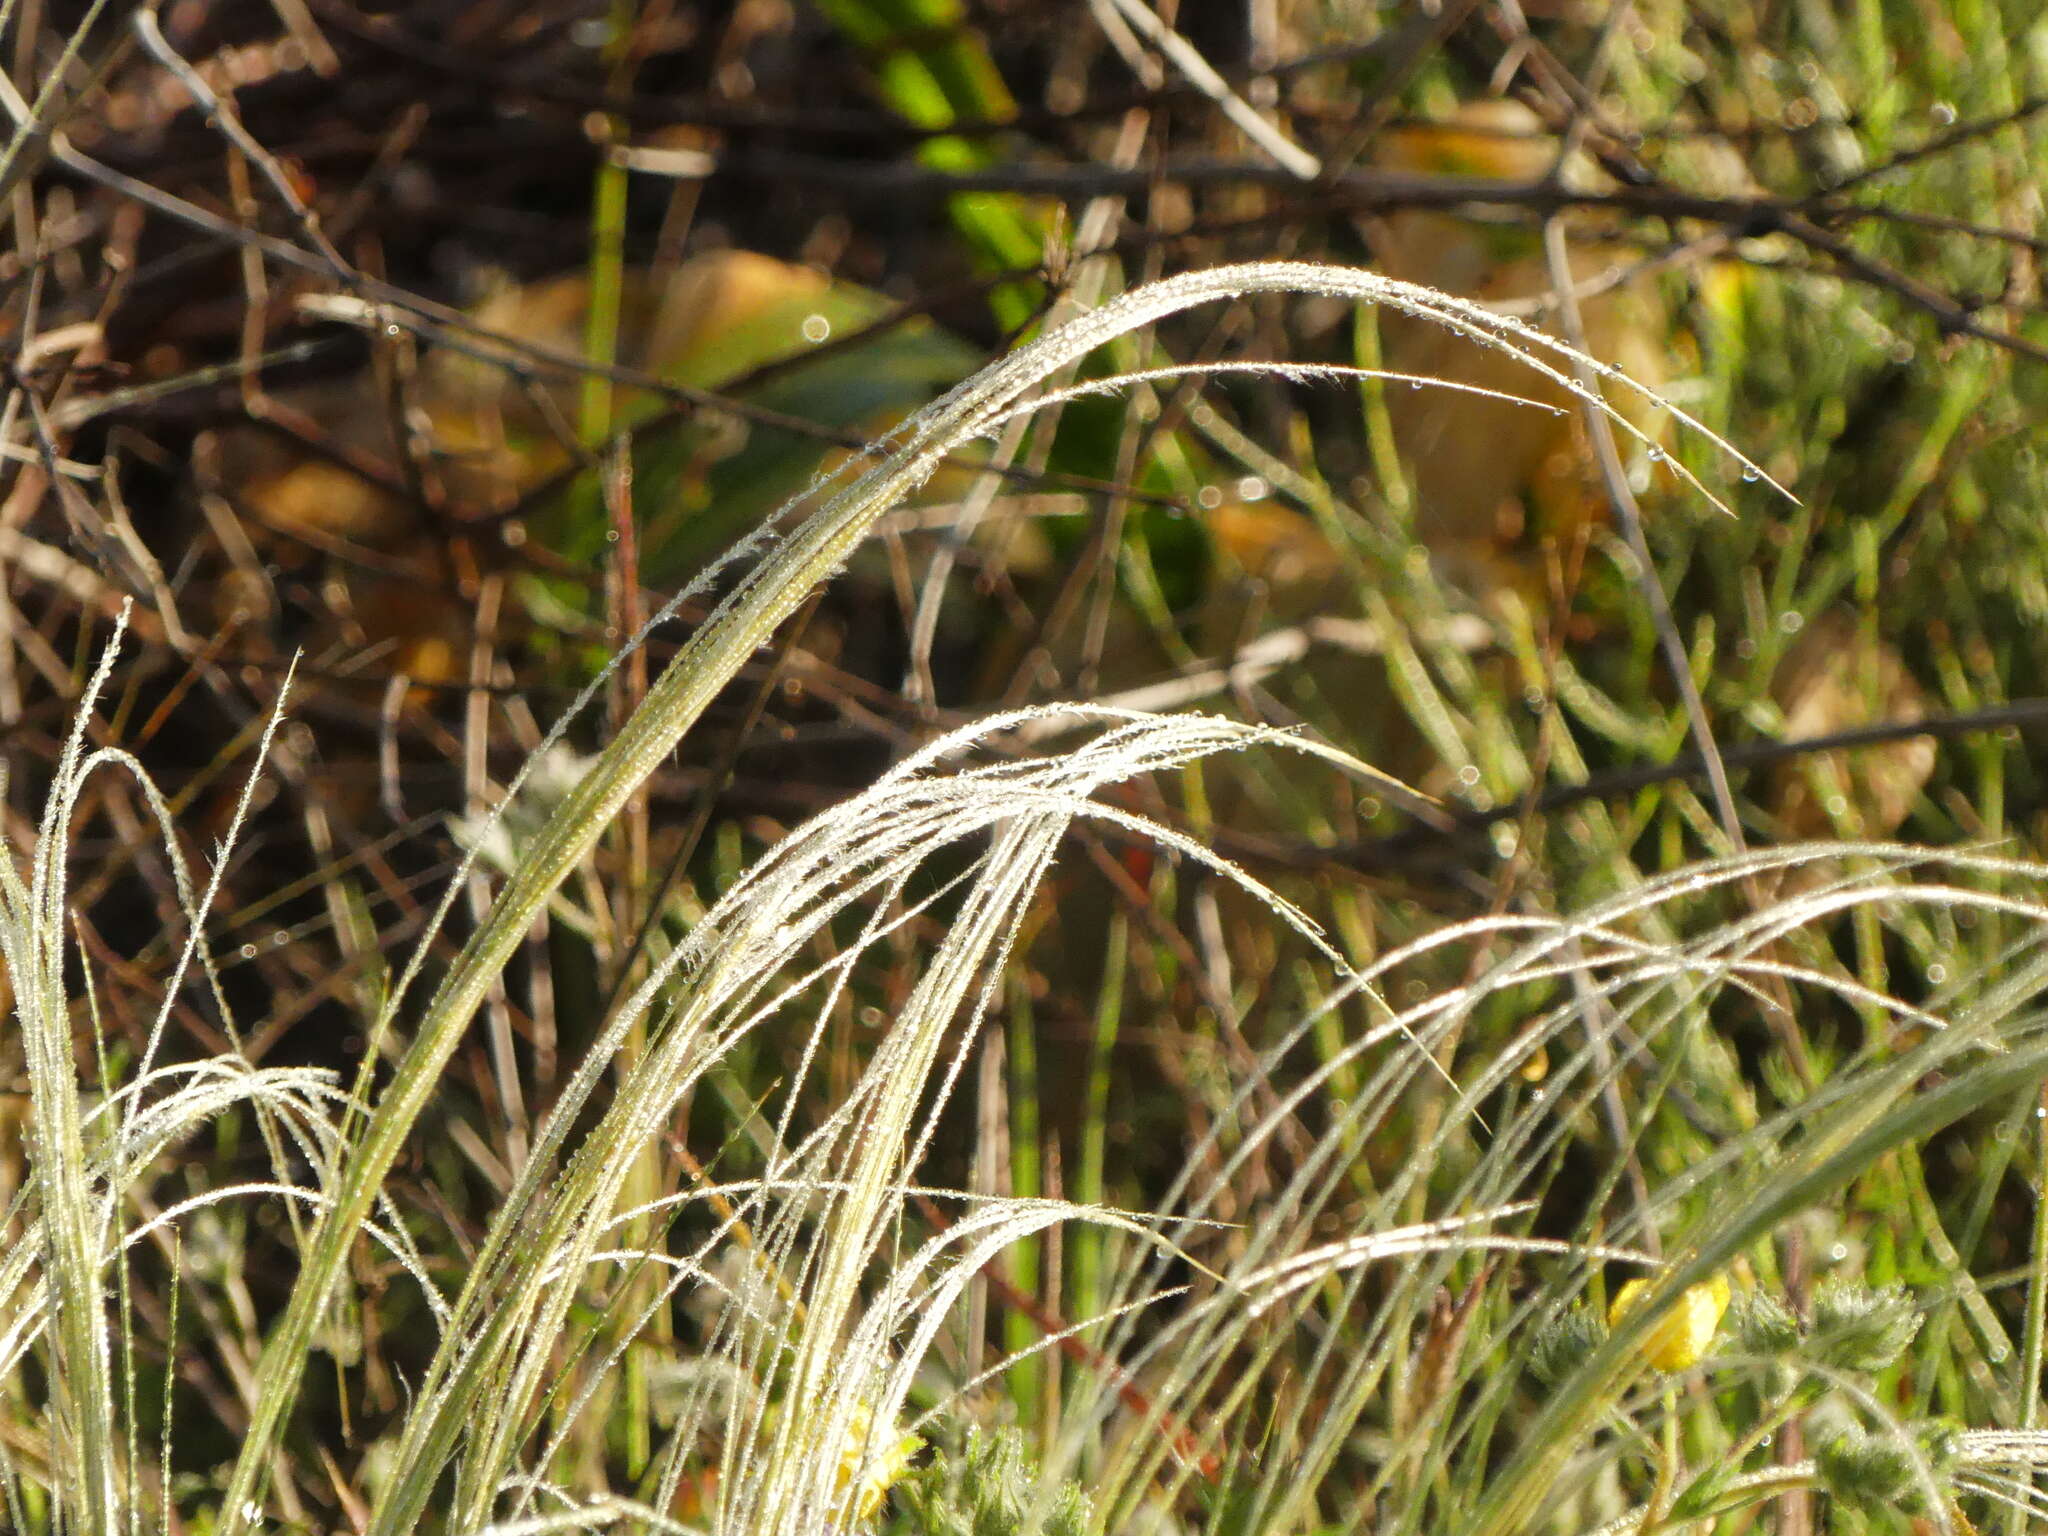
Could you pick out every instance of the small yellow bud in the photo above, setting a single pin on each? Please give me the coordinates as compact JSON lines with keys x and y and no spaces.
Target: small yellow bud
{"x":1680,"y":1339}
{"x":884,"y":1462}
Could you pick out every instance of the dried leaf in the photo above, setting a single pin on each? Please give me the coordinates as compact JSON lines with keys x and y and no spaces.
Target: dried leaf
{"x":1836,"y":677}
{"x":1473,"y":509}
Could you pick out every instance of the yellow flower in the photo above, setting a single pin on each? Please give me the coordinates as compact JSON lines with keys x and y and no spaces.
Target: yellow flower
{"x":868,"y":1463}
{"x":1682,"y":1335}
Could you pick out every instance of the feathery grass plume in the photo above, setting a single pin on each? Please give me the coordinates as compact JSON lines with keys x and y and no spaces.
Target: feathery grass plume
{"x":831,"y":1358}
{"x":89,"y":1149}
{"x":1220,"y":1364}
{"x":740,"y":623}
{"x":828,"y":1305}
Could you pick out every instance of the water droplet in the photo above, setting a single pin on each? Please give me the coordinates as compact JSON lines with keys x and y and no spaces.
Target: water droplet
{"x":1656,"y":455}
{"x":1751,"y":473}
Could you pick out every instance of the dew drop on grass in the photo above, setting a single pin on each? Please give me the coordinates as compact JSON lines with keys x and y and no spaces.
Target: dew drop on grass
{"x":1751,"y":474}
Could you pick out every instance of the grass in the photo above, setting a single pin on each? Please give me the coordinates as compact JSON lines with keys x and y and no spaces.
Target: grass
{"x":1353,"y":1104}
{"x":828,"y":1306}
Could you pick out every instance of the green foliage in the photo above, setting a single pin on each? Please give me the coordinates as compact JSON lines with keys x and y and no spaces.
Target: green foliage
{"x":1561,"y":1346}
{"x":1860,"y":1327}
{"x":1871,"y":1471}
{"x":988,"y":1488}
{"x":1760,"y":1324}
{"x":936,"y":71}
{"x":1892,"y":1469}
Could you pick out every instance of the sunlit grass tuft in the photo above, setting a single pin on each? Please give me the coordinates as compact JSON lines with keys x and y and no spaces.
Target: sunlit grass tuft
{"x":1364,"y":1326}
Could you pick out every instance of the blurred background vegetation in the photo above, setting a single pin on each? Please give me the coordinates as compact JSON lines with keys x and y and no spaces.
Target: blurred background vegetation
{"x":438,"y":343}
